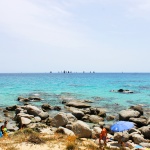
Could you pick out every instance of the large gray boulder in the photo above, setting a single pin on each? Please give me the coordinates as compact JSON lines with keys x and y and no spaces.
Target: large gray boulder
{"x":78,"y":104}
{"x":139,"y":121}
{"x":59,"y":120}
{"x":81,"y":129}
{"x":33,"y":110}
{"x":145,"y":131}
{"x":129,"y":113}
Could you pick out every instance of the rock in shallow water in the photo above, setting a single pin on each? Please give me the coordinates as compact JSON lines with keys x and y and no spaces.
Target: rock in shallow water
{"x":78,"y":104}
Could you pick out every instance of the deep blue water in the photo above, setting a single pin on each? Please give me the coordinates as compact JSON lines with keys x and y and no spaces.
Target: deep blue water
{"x":53,"y":87}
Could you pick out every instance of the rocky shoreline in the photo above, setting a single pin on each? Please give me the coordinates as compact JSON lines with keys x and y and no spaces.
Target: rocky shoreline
{"x":77,"y":118}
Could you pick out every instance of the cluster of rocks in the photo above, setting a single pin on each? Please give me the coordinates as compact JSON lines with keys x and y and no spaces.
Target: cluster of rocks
{"x":31,"y":98}
{"x":122,"y":91}
{"x":76,"y":118}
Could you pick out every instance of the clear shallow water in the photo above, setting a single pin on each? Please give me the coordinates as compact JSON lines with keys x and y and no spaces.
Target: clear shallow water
{"x":52,"y":88}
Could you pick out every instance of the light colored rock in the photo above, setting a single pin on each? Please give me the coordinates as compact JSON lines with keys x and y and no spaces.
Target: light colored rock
{"x":11,"y":126}
{"x":31,"y":125}
{"x":95,"y":119}
{"x":148,"y":121}
{"x":81,"y":129}
{"x":69,"y":126}
{"x":37,"y":119}
{"x":96,"y":132}
{"x":129,"y":113}
{"x":59,"y":120}
{"x":147,"y":145}
{"x":65,"y":131}
{"x":25,"y":121}
{"x":138,"y":138}
{"x":25,"y":115}
{"x":121,"y":136}
{"x":71,"y":117}
{"x":35,"y":111}
{"x":43,"y":115}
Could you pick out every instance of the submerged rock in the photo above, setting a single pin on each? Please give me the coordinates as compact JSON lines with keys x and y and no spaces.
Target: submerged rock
{"x":78,"y":104}
{"x":122,"y":91}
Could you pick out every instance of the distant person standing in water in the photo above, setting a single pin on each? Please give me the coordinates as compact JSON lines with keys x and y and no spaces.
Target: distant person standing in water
{"x":103,"y":135}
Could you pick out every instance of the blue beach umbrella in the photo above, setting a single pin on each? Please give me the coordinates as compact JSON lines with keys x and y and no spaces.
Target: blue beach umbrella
{"x":121,"y":126}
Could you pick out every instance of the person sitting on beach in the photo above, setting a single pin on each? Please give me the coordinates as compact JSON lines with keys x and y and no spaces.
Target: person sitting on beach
{"x":4,"y":131}
{"x":1,"y":132}
{"x":103,"y":135}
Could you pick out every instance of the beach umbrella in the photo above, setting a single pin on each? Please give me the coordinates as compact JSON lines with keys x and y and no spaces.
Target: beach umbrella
{"x":121,"y":126}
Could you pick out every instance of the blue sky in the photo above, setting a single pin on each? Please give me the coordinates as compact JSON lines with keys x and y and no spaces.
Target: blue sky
{"x":74,"y":35}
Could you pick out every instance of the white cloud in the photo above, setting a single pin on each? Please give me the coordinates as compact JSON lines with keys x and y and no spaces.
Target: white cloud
{"x":48,"y":23}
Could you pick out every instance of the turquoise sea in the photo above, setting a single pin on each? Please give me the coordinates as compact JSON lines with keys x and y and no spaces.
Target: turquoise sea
{"x":54,"y":87}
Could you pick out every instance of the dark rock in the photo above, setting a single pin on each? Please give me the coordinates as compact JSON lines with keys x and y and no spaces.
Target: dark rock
{"x":139,"y":121}
{"x":109,"y":118}
{"x":64,"y":101}
{"x":46,"y":107}
{"x":58,"y":108}
{"x":11,"y":108}
{"x":145,"y":131}
{"x":20,"y":98}
{"x":120,"y":90}
{"x":124,"y":91}
{"x":78,"y":114}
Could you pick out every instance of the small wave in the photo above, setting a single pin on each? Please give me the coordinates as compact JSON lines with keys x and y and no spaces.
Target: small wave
{"x":144,"y":87}
{"x":75,"y":85}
